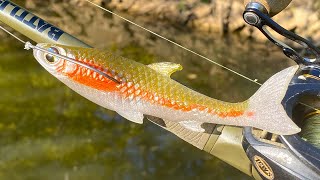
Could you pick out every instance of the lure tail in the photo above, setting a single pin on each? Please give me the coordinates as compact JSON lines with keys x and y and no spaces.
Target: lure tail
{"x":265,"y":106}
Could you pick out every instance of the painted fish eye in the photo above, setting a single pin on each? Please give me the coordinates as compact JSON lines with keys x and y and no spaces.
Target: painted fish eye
{"x":51,"y":58}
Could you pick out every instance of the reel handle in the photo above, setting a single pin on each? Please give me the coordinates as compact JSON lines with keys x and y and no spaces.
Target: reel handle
{"x":273,"y":7}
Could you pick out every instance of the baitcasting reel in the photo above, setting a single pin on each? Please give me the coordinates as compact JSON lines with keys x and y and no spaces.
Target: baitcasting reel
{"x":286,"y":157}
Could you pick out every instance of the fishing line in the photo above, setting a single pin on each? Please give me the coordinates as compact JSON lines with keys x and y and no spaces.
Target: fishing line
{"x":177,"y":44}
{"x":28,"y":46}
{"x":309,"y":106}
{"x":5,"y":30}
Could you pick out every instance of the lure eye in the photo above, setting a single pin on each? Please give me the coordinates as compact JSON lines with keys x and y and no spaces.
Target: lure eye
{"x":51,"y":58}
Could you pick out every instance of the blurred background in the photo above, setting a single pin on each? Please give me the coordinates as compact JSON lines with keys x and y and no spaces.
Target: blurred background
{"x":47,"y":131}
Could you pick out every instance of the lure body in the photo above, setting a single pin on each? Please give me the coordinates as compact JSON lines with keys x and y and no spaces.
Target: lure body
{"x":149,"y":90}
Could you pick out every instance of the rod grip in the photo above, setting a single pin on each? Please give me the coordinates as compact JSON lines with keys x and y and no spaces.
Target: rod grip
{"x":273,"y":6}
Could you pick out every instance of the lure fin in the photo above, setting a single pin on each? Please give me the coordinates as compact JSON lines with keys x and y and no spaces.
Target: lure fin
{"x":136,"y":117}
{"x":265,"y":110}
{"x":192,"y":125}
{"x":165,"y":68}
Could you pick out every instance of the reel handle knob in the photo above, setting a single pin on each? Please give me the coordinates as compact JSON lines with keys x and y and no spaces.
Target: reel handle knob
{"x":273,"y":7}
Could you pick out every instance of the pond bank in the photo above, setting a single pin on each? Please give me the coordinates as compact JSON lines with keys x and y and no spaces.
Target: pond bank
{"x":217,"y":17}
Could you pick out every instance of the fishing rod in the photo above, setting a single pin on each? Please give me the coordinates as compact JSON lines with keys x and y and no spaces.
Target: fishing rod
{"x":215,"y":138}
{"x":212,"y":141}
{"x":53,"y":52}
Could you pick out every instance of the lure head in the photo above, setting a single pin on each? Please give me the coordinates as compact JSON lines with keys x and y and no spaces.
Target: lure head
{"x":57,"y":66}
{"x":77,"y":66}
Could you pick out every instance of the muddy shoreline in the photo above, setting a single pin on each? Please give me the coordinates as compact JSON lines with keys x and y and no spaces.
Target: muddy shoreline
{"x":214,"y":18}
{"x":217,"y":17}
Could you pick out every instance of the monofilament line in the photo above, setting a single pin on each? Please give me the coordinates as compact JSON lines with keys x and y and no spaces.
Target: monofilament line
{"x":309,"y":106}
{"x":12,"y":34}
{"x":177,"y":44}
{"x":28,"y":46}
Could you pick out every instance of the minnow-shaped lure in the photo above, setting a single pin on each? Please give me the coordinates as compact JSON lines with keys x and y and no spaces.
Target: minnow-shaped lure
{"x":149,"y":90}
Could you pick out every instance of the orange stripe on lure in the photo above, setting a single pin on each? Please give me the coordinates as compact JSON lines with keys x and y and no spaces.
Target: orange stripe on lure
{"x":93,"y":79}
{"x":89,"y":77}
{"x":148,"y":89}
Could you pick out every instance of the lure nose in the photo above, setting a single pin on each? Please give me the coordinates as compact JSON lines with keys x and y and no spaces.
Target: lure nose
{"x":47,"y":55}
{"x":52,"y":54}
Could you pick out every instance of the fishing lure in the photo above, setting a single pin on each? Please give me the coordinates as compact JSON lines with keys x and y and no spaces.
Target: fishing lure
{"x":133,"y":89}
